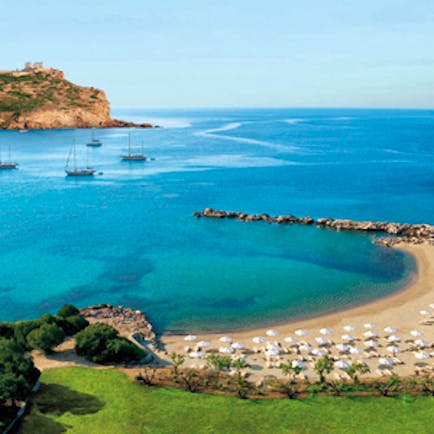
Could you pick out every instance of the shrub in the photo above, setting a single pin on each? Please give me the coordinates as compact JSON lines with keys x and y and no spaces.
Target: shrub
{"x":68,"y":310}
{"x":46,"y":337}
{"x":101,"y":343}
{"x":72,"y":325}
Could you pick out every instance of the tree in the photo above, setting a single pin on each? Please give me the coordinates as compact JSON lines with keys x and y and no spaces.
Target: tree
{"x":191,"y":380}
{"x":72,"y":324}
{"x":242,"y":383}
{"x":323,"y":366}
{"x":290,"y":387}
{"x":392,"y":384}
{"x":218,"y":363}
{"x":357,"y":368}
{"x":148,"y":376}
{"x":18,"y":374}
{"x":177,"y":360}
{"x":428,"y":384}
{"x":68,"y":310}
{"x":101,"y":343}
{"x":46,"y":337}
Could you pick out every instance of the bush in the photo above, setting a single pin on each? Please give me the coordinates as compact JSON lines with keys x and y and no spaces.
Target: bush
{"x":101,"y":343}
{"x":72,"y":325}
{"x":68,"y":310}
{"x":46,"y":337}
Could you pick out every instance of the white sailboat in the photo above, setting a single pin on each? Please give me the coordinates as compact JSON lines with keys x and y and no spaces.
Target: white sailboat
{"x":73,"y":170}
{"x":8,"y":164}
{"x":94,"y":143}
{"x":133,"y":155}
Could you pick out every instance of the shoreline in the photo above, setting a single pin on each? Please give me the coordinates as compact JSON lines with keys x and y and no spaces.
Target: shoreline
{"x":397,"y":309}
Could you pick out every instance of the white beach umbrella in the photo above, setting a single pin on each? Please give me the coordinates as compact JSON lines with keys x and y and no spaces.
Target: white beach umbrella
{"x":291,"y":340}
{"x":237,"y":346}
{"x":272,"y":333}
{"x":370,"y":334}
{"x":343,"y":347}
{"x":305,"y":347}
{"x":385,"y":361}
{"x":298,"y":364}
{"x":325,"y":331}
{"x":369,"y":326}
{"x":371,"y":343}
{"x":425,"y":312}
{"x":416,"y":333}
{"x":203,"y":344}
{"x":342,"y":364}
{"x":431,"y":306}
{"x":319,"y":352}
{"x":258,"y":340}
{"x":196,"y":354}
{"x":348,"y":338}
{"x":422,"y":355}
{"x":322,"y":340}
{"x":390,"y":330}
{"x":421,"y":343}
{"x":301,"y":332}
{"x":226,"y":350}
{"x":271,"y":352}
{"x":349,"y":328}
{"x":190,"y":338}
{"x":271,"y":346}
{"x":226,"y":339}
{"x":354,"y":350}
{"x":394,"y":338}
{"x":393,"y":349}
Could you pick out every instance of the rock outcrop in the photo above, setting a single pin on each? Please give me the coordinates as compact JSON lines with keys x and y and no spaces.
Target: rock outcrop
{"x":399,"y":232}
{"x":43,"y":99}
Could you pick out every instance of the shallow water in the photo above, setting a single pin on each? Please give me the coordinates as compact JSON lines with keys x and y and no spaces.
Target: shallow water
{"x":128,"y":236}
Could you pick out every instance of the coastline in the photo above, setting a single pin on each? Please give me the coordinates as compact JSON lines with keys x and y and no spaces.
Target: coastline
{"x":399,"y":309}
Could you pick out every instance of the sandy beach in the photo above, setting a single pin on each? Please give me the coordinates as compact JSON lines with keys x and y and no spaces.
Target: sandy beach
{"x":400,"y":310}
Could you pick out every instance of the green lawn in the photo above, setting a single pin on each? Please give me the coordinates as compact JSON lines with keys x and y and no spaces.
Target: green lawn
{"x":82,"y":400}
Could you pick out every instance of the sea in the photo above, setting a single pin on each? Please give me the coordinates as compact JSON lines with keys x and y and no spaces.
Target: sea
{"x":127,"y":236}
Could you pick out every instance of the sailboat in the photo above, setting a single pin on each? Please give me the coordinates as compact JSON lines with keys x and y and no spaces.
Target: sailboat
{"x":133,"y":156}
{"x":94,"y":143}
{"x":75,"y":171}
{"x":7,"y":164}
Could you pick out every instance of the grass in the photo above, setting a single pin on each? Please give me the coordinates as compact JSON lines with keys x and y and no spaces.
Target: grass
{"x":84,"y":400}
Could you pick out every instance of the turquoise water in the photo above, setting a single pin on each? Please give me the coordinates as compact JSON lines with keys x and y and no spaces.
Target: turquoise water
{"x":128,"y":236}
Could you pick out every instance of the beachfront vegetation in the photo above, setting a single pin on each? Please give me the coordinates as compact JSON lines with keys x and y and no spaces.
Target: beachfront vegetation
{"x":101,"y":343}
{"x":46,"y":337}
{"x":85,"y":400}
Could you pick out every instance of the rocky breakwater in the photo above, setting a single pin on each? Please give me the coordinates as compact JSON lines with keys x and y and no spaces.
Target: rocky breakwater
{"x":398,"y":232}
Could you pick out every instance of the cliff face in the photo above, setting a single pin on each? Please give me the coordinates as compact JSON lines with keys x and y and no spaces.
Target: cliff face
{"x":43,"y":99}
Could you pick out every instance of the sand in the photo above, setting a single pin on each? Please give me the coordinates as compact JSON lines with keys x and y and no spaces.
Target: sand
{"x":399,"y":310}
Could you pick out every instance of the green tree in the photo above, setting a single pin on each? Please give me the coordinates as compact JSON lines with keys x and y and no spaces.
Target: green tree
{"x":177,"y":361}
{"x":46,"y":337}
{"x":218,"y":363}
{"x":101,"y":343}
{"x":68,"y":310}
{"x":18,"y":374}
{"x":392,"y":384}
{"x":290,"y":386}
{"x":356,"y":369}
{"x":323,"y":366}
{"x":242,"y":383}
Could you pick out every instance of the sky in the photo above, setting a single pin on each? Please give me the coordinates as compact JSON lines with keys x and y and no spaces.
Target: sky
{"x":238,"y":53}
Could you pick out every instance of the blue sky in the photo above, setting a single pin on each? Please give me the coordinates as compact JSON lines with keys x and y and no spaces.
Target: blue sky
{"x":239,"y":53}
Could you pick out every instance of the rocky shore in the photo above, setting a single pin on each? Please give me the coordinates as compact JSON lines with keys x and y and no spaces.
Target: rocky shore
{"x":399,"y":232}
{"x":124,"y":319}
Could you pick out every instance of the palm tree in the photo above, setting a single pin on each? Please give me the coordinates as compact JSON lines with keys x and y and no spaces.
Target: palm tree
{"x":177,"y":360}
{"x":242,"y":383}
{"x":290,"y":371}
{"x":356,"y":369}
{"x":323,"y":366}
{"x":218,"y":363}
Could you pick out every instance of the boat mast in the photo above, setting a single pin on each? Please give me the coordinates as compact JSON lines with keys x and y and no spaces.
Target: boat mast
{"x":74,"y":155}
{"x":129,"y":144}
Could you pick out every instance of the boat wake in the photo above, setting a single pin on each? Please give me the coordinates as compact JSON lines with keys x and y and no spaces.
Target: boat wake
{"x":212,"y":133}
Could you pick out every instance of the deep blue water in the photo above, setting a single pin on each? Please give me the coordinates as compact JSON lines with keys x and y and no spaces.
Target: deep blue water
{"x":128,"y":236}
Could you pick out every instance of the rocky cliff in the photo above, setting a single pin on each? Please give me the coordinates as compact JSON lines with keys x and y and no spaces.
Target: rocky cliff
{"x":44,"y":99}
